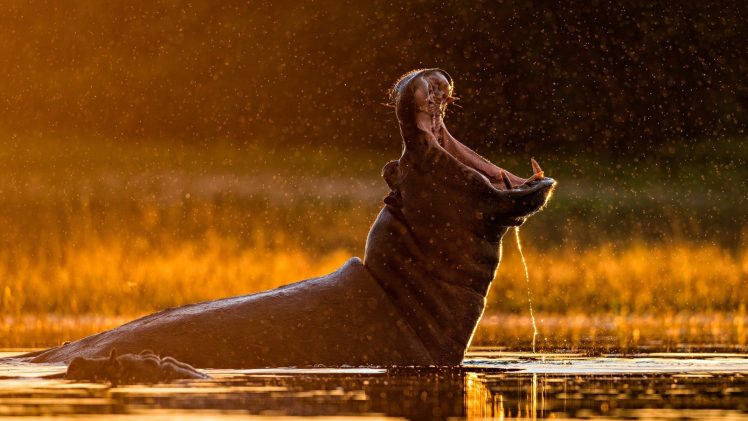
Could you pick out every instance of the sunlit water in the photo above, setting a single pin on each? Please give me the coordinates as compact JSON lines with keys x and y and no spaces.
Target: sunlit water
{"x":489,"y":385}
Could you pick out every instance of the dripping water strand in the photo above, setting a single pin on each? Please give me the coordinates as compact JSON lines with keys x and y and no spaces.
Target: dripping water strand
{"x":529,"y":293}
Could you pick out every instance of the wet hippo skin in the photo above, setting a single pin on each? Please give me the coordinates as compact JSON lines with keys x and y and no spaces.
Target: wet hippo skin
{"x":416,"y":298}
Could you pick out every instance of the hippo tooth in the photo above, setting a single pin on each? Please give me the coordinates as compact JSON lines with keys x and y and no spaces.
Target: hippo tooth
{"x":534,"y":177}
{"x":536,"y":168}
{"x":505,"y":177}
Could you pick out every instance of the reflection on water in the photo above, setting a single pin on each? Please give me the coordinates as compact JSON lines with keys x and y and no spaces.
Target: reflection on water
{"x":496,"y":386}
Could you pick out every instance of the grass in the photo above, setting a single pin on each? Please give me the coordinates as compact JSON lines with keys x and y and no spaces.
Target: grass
{"x":96,"y":232}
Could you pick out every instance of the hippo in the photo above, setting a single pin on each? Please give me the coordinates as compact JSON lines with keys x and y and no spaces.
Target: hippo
{"x":145,"y":367}
{"x":414,"y":300}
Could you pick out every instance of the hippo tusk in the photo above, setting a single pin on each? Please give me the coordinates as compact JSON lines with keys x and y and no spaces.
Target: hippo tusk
{"x":536,"y":168}
{"x":535,"y":177}
{"x":505,"y":178}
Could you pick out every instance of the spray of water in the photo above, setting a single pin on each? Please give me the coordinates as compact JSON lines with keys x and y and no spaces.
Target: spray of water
{"x":529,"y":293}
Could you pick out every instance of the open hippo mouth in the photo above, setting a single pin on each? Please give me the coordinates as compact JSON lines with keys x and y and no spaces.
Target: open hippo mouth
{"x":425,"y":95}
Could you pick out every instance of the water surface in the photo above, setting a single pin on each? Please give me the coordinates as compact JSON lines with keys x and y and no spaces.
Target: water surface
{"x":489,"y":385}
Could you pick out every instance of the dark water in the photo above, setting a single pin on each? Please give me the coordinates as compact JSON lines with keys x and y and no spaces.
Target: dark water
{"x":489,"y":385}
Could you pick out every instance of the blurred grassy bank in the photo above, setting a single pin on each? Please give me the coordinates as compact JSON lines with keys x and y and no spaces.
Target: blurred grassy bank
{"x":103,"y":228}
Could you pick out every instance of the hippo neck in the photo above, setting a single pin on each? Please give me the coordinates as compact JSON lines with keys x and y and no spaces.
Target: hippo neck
{"x":439,"y":288}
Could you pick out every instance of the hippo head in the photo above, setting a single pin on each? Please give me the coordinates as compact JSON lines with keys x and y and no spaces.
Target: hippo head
{"x":436,"y":245}
{"x":443,"y":182}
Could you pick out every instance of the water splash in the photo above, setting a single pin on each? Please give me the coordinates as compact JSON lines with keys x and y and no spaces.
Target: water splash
{"x":529,"y":293}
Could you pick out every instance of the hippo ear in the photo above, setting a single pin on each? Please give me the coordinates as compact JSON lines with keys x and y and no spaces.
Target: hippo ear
{"x":113,"y":354}
{"x":393,"y":174}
